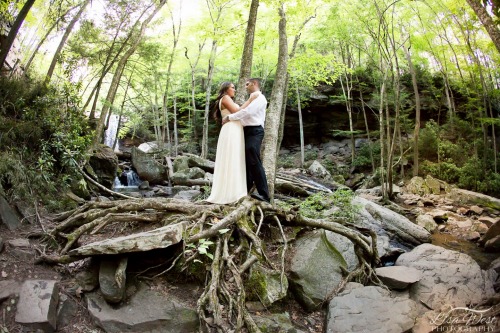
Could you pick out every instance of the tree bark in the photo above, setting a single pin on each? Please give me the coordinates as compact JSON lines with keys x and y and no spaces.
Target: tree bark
{"x":210,"y":74}
{"x":65,"y":37}
{"x":301,"y":127}
{"x":487,"y":21}
{"x":416,"y":130}
{"x":176,"y":34}
{"x":273,"y":117}
{"x":14,"y":30}
{"x":246,"y":58}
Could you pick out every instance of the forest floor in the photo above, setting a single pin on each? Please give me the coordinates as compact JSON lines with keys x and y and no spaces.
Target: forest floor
{"x":17,"y":263}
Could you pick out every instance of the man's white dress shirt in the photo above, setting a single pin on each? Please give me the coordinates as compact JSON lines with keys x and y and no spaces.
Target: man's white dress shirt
{"x":254,"y":114}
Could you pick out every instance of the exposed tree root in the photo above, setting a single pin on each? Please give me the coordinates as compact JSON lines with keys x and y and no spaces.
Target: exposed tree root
{"x":234,"y":246}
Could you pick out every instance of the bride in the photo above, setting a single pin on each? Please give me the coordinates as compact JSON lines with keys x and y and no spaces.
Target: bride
{"x":229,"y":183}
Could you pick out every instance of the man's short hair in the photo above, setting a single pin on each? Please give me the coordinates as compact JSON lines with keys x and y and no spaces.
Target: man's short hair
{"x":255,"y":81}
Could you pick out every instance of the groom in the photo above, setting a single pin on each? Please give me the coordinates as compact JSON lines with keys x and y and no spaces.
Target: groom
{"x":252,"y":118}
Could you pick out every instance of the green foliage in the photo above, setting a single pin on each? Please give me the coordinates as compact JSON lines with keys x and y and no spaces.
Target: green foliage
{"x":310,"y":155}
{"x":363,"y":158}
{"x":286,"y":161}
{"x":448,"y":172}
{"x":43,"y":137}
{"x":428,"y":141}
{"x":315,"y":206}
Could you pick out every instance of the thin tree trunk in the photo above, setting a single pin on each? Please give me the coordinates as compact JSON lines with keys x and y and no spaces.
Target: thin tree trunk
{"x":176,"y":34}
{"x":367,"y":128}
{"x":246,"y":58}
{"x":274,"y":113}
{"x":129,"y":81}
{"x":176,"y":140}
{"x":193,"y":89}
{"x":14,"y":31}
{"x":416,"y":130}
{"x":204,"y":144}
{"x":301,"y":126}
{"x":65,"y":37}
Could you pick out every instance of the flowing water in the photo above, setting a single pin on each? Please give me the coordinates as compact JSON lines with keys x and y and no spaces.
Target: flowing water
{"x":477,"y":253}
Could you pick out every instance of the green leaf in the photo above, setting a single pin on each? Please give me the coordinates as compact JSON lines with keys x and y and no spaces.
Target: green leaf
{"x":223,"y":231}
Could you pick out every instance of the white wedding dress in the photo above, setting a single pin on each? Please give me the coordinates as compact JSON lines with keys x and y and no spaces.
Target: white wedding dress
{"x":229,"y":183}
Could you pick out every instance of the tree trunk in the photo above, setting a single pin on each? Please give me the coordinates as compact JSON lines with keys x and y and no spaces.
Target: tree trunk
{"x":274,"y":113}
{"x":366,"y":127}
{"x":416,"y":131}
{"x":487,"y":21}
{"x":193,"y":66}
{"x":13,"y":31}
{"x":246,"y":58}
{"x":176,"y":141}
{"x":204,"y":144}
{"x":301,"y":127}
{"x":65,"y":37}
{"x":176,"y":34}
{"x":118,"y":74}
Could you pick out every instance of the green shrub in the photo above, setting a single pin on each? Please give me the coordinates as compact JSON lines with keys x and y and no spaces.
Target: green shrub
{"x":363,"y":158}
{"x":446,"y":171}
{"x":43,"y":137}
{"x":428,"y":141}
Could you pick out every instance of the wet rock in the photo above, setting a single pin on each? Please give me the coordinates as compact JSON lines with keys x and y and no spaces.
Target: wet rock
{"x":37,"y":307}
{"x":370,"y":309}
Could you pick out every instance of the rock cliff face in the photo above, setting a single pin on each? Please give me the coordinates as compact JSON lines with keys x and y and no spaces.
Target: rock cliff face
{"x":326,"y":112}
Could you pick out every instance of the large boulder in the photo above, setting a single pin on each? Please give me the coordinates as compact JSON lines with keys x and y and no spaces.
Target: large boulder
{"x":319,"y":170}
{"x":147,"y":311}
{"x":473,"y":198}
{"x":315,"y":269}
{"x":448,"y":277}
{"x":8,"y":215}
{"x":148,"y":168}
{"x":266,"y":285}
{"x":104,"y":165}
{"x":370,"y":309}
{"x":491,"y":239}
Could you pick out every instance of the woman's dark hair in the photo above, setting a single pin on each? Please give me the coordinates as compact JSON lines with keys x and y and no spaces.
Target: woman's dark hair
{"x":222,"y":91}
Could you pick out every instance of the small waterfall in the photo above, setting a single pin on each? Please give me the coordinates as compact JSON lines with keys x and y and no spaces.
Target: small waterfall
{"x":132,"y":178}
{"x":128,"y":181}
{"x":110,"y":134}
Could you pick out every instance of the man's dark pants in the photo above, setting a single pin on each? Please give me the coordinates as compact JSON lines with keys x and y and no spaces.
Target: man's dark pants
{"x":254,"y":168}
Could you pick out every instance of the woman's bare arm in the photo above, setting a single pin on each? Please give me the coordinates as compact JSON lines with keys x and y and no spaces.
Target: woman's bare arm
{"x":229,"y":104}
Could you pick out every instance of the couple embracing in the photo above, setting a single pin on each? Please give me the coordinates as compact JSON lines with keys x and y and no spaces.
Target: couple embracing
{"x":238,"y":166}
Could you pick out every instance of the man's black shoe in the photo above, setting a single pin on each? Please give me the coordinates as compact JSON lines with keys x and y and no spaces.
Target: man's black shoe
{"x":259,"y":197}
